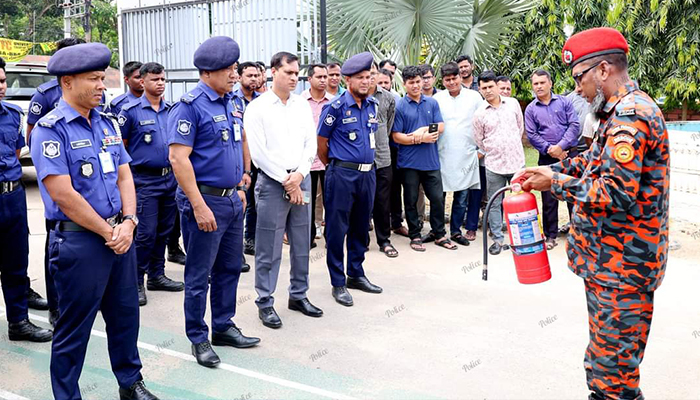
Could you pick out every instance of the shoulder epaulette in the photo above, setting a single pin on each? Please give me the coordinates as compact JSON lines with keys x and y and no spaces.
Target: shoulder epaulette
{"x":46,"y":86}
{"x":14,"y":107}
{"x":49,"y":120}
{"x":336,"y":103}
{"x":131,"y":105}
{"x":190,"y":96}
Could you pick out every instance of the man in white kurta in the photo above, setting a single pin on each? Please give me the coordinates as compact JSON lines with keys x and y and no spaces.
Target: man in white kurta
{"x":459,"y":163}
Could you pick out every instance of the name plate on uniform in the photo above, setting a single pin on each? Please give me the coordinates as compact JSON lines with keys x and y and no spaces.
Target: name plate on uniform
{"x":79,"y":144}
{"x":219,"y":118}
{"x":349,"y":120}
{"x":147,"y":122}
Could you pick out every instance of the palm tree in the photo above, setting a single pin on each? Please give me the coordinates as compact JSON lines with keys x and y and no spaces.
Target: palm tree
{"x":415,"y":31}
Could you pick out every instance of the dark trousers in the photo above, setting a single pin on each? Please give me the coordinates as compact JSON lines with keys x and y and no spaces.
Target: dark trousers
{"x":473,"y":201}
{"x":251,"y":213}
{"x":460,"y":201}
{"x":348,"y":198}
{"x":382,"y":206}
{"x":316,"y":177}
{"x":157,"y":211}
{"x":51,"y":296}
{"x":174,"y":237}
{"x":395,"y":193}
{"x":90,"y":277}
{"x":14,"y":253}
{"x":432,"y":184}
{"x":550,"y":205}
{"x":217,"y":254}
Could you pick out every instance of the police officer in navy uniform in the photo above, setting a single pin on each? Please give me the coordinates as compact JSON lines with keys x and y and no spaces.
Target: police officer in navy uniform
{"x":346,"y":145}
{"x":87,"y":188}
{"x":44,"y":100}
{"x":208,"y":153}
{"x":134,"y":85}
{"x":14,"y":231}
{"x":144,"y":128}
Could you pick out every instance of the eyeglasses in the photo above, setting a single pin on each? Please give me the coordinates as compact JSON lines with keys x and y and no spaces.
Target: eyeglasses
{"x":428,"y":77}
{"x":579,"y":76}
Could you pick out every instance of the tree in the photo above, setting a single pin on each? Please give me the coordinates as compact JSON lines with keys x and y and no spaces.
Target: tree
{"x":415,"y":31}
{"x":664,"y":38}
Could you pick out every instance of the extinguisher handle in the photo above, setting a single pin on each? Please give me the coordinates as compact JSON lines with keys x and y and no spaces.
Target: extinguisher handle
{"x":517,"y":183}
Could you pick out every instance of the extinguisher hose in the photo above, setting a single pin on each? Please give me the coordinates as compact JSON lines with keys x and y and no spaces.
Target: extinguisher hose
{"x":485,"y":225}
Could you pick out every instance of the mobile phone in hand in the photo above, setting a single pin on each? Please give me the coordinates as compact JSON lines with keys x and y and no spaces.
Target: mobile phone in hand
{"x":432,"y":128}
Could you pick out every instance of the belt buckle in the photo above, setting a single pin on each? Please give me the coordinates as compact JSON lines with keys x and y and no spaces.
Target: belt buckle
{"x":163,"y":172}
{"x":365,"y":167}
{"x":112,"y":221}
{"x":228,"y":192}
{"x":6,"y":187}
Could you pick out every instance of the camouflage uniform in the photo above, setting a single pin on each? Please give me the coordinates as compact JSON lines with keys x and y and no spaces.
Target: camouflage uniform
{"x":618,"y":241}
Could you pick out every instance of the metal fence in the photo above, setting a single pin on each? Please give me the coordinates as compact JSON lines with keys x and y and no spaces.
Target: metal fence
{"x":169,"y":34}
{"x":685,"y":160}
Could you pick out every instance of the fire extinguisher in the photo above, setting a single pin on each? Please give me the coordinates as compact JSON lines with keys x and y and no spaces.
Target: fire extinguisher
{"x":526,"y":239}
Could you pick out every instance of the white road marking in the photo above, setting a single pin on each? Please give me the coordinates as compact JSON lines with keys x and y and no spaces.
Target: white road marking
{"x":228,"y":367}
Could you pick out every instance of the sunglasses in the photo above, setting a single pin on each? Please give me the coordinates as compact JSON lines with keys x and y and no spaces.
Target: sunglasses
{"x":579,"y":76}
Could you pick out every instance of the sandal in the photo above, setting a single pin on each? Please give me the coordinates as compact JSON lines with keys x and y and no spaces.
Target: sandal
{"x":459,"y":239}
{"x":430,"y":237}
{"x":389,"y":250}
{"x":402,"y":231}
{"x":551,"y":243}
{"x":417,"y":245}
{"x":445,"y":243}
{"x":471,"y":236}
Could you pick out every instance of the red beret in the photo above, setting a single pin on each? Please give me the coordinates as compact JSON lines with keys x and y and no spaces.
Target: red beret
{"x":592,"y":43}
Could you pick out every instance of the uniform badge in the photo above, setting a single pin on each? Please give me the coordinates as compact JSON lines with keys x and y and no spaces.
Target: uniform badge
{"x":51,"y":148}
{"x":79,"y":144}
{"x":349,"y":120}
{"x":86,"y":169}
{"x":147,"y":122}
{"x":568,"y":57}
{"x":183,"y":127}
{"x":353,"y":136}
{"x":121,"y":119}
{"x":348,"y":113}
{"x":219,"y":118}
{"x":148,"y":138}
{"x":329,"y":120}
{"x":626,"y":112}
{"x":35,"y":108}
{"x":225,"y":135}
{"x":623,"y":152}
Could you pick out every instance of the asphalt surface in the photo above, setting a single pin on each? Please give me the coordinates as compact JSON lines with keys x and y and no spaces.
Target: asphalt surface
{"x":437,"y":331}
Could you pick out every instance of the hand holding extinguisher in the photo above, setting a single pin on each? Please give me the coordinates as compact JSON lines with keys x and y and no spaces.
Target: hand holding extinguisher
{"x":526,"y":239}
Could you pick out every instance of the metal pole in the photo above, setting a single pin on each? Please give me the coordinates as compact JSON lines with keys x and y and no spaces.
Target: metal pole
{"x":66,"y":22}
{"x":33,"y":32}
{"x":88,"y":28}
{"x":324,"y":38}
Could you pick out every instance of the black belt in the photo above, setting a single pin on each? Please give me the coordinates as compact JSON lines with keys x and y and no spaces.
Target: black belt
{"x":214,"y":191}
{"x":70,"y":226}
{"x":140,"y":169}
{"x":355,"y":166}
{"x":11,"y":186}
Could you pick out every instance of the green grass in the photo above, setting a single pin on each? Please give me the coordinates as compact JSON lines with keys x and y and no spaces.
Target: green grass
{"x":530,"y":156}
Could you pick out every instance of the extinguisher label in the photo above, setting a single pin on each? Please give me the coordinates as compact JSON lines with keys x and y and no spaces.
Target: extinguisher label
{"x":525,"y":232}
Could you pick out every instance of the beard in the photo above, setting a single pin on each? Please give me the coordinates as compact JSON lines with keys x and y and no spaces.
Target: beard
{"x":355,"y":92}
{"x":598,"y":102}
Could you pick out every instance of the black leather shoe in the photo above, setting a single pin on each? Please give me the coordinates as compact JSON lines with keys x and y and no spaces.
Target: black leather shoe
{"x":342,"y":296}
{"x":495,"y":249}
{"x":233,"y":337}
{"x":137,"y":391}
{"x":205,"y":355}
{"x":25,"y":330}
{"x":165,"y":284}
{"x":35,"y":301}
{"x":249,"y":247}
{"x":269,"y":317}
{"x":176,"y":255}
{"x":53,"y":317}
{"x":362,"y":283}
{"x":142,"y":296}
{"x":305,"y":307}
{"x":245,"y":267}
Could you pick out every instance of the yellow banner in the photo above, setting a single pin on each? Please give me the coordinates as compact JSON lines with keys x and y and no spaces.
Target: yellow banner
{"x":16,"y":50}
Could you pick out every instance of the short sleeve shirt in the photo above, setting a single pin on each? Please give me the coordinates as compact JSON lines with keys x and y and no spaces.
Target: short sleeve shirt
{"x":411,"y":115}
{"x":63,"y":143}
{"x":146,"y":133}
{"x":11,"y":140}
{"x":348,"y":128}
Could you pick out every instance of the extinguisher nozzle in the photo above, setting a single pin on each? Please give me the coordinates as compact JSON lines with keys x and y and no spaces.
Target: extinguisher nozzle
{"x":485,"y":275}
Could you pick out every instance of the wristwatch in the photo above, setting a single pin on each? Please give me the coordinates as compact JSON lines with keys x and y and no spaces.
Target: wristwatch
{"x":133,"y":219}
{"x":243,"y":188}
{"x":250,"y":173}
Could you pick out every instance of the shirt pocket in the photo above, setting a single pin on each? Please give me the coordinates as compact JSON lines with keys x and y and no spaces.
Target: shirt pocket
{"x":84,"y":169}
{"x":9,"y":141}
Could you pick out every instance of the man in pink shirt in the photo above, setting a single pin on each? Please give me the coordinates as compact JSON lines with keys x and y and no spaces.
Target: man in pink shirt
{"x":317,"y":97}
{"x":498,"y":131}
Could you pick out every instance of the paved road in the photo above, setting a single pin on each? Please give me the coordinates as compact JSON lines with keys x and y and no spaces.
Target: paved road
{"x":438,"y":331}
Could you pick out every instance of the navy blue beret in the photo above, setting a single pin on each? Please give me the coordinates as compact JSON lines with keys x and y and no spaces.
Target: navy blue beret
{"x":79,"y":58}
{"x":216,"y":53}
{"x":357,"y":63}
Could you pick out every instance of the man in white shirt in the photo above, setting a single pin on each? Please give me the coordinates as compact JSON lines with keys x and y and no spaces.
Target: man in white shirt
{"x":459,"y":163}
{"x":282,"y":135}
